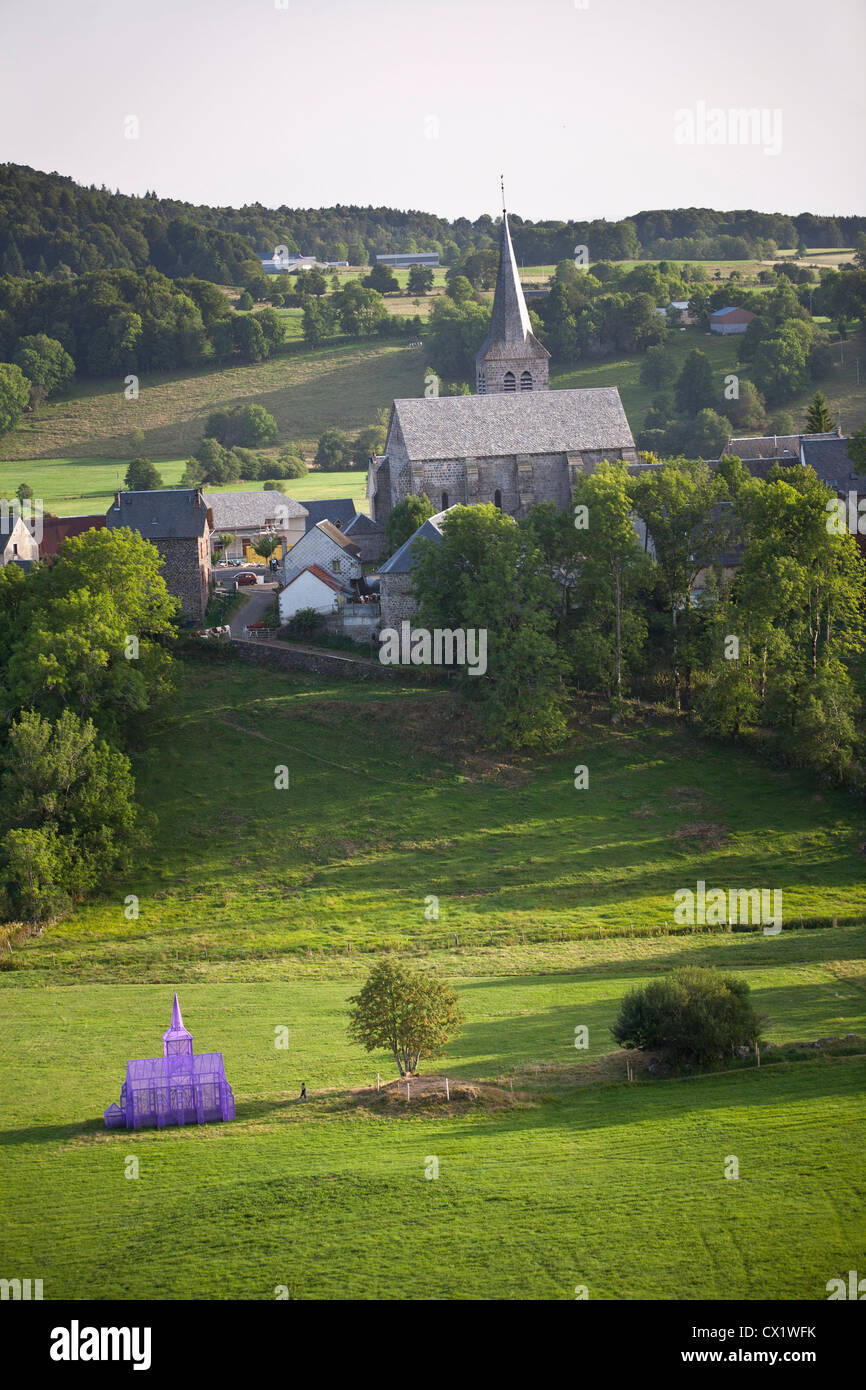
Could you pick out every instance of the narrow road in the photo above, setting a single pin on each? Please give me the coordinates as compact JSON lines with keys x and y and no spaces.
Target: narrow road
{"x":256,"y":603}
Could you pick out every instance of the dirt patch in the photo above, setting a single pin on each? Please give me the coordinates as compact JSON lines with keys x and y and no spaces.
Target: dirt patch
{"x":708,"y":834}
{"x":445,"y":1094}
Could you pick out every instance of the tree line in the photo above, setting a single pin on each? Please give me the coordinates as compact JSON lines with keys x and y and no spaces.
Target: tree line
{"x":637,"y":593}
{"x":52,"y":226}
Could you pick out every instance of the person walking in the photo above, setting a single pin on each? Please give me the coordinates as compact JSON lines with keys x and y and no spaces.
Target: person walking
{"x":303,"y":1095}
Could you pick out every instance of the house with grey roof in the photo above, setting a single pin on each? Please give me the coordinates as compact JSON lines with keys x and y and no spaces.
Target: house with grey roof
{"x":247,"y":516}
{"x":325,"y":546}
{"x":338,"y":510}
{"x":178,"y":522}
{"x":515,"y":443}
{"x":368,"y":535}
{"x":395,"y":575}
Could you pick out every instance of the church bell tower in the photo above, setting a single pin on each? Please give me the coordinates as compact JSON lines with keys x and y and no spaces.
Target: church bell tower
{"x":511,"y":358}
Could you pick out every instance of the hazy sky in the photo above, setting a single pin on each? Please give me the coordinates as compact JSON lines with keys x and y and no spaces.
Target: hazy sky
{"x":421,"y":103}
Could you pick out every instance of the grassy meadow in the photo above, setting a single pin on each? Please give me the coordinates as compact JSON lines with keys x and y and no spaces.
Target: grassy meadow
{"x":264,"y":907}
{"x":80,"y":487}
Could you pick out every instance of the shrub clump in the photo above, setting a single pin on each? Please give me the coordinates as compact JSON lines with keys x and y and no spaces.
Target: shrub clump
{"x":694,"y":1016}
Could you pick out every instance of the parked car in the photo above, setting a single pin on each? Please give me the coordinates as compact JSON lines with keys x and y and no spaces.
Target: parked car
{"x":247,"y":578}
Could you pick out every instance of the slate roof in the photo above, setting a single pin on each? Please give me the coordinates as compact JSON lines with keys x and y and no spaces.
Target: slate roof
{"x":524,"y":422}
{"x":247,"y":510}
{"x":510,"y":329}
{"x":829,"y":458}
{"x":337,"y":535}
{"x":163,"y":514}
{"x":334,"y":509}
{"x":403,"y":560}
{"x":771,"y":446}
{"x":363,"y":525}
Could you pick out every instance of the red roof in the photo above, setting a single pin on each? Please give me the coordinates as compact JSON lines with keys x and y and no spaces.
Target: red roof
{"x":326,"y":578}
{"x":55,"y":530}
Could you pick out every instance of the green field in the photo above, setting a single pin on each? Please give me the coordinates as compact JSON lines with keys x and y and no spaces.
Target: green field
{"x":507,"y":844}
{"x":80,"y":487}
{"x":263,"y":907}
{"x":305,"y":391}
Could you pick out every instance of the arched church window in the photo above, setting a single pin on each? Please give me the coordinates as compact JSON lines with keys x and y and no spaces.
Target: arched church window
{"x":444,"y":501}
{"x":482,"y":384}
{"x":509,"y":384}
{"x":526,"y":381}
{"x":497,"y":499}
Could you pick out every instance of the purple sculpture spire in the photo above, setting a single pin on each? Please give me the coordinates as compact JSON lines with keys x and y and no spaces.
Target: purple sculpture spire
{"x":177,"y":1040}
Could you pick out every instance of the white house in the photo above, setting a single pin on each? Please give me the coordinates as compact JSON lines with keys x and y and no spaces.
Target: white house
{"x":312,"y":588}
{"x":324,"y":545}
{"x":16,"y":542}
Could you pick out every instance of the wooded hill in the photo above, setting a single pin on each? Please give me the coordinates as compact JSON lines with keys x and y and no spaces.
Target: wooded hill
{"x":51,"y":225}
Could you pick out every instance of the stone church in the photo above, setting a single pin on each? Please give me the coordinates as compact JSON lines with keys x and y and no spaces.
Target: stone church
{"x":515,"y":442}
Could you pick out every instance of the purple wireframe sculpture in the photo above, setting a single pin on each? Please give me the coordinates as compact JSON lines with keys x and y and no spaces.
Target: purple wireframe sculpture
{"x":179,"y":1088}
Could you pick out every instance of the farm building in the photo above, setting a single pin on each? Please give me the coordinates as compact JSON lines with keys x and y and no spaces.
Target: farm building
{"x":730,"y":320}
{"x":57,"y":529}
{"x":400,"y":260}
{"x":179,"y":1088}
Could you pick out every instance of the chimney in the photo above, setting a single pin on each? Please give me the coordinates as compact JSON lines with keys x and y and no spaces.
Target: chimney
{"x":117,"y":499}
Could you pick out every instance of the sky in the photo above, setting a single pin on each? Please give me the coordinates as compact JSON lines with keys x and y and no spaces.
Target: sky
{"x":590,"y":108}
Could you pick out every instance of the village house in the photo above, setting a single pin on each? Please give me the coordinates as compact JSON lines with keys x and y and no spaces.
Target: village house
{"x":395,"y":576}
{"x":313,"y":588}
{"x":326,"y":546}
{"x":368,"y":535}
{"x":18,"y":545}
{"x":338,"y":510}
{"x":178,"y":522}
{"x":515,"y":443}
{"x":57,"y":529}
{"x":247,"y":516}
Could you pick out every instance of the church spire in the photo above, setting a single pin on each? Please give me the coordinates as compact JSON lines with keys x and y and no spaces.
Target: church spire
{"x":176,"y":1039}
{"x":511,"y":357}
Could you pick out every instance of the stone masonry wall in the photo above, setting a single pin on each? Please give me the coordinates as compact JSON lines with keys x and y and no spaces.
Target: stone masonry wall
{"x":186,"y":571}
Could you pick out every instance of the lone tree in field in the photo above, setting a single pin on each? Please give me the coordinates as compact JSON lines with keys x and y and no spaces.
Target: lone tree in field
{"x":404,"y":1013}
{"x":693,"y":1015}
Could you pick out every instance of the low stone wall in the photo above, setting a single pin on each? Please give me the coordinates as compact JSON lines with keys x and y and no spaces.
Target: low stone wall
{"x":284,"y":657}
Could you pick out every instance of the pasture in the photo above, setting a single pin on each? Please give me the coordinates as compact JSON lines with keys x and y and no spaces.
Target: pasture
{"x":265,"y":909}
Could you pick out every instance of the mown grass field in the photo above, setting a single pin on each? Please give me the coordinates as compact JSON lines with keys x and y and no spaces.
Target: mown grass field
{"x":613,"y":1186}
{"x":79,"y":487}
{"x":389,"y":803}
{"x":265,"y":909}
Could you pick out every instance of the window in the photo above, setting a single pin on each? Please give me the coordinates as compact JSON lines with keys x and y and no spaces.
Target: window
{"x":335,"y":566}
{"x":526,"y":381}
{"x":509,"y":384}
{"x":482,"y":384}
{"x":497,"y":499}
{"x":444,"y":501}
